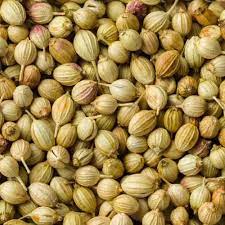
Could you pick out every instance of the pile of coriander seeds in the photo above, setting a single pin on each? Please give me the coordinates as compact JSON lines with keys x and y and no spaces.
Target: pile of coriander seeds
{"x":112,"y":112}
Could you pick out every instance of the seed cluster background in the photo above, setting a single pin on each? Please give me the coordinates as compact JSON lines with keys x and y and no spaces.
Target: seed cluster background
{"x":112,"y":112}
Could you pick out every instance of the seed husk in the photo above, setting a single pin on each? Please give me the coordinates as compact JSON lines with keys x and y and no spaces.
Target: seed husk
{"x":156,"y":97}
{"x":82,"y":157}
{"x":67,"y":172}
{"x":178,"y":194}
{"x":84,"y":92}
{"x":7,"y":211}
{"x":16,"y":222}
{"x":60,"y":27}
{"x":62,"y":188}
{"x":20,"y":150}
{"x":186,"y":137}
{"x":194,"y":59}
{"x":126,"y":21}
{"x":136,"y":144}
{"x":58,"y":157}
{"x":12,"y":12}
{"x":67,"y":135}
{"x":142,"y":123}
{"x":159,"y":140}
{"x":10,"y":168}
{"x":150,"y":42}
{"x":13,"y":192}
{"x":142,"y":69}
{"x":122,"y":219}
{"x":62,"y":111}
{"x":153,"y":215}
{"x":199,"y":196}
{"x":10,"y":110}
{"x":87,"y":47}
{"x":194,"y":106}
{"x":62,"y":50}
{"x":45,"y":62}
{"x":99,"y":220}
{"x":87,"y":129}
{"x":40,"y":107}
{"x":51,"y":94}
{"x":43,"y":195}
{"x":113,"y":168}
{"x":85,"y":199}
{"x":23,"y":96}
{"x":167,"y":64}
{"x":40,"y":35}
{"x":218,"y":198}
{"x":208,"y":213}
{"x":190,"y":165}
{"x":133,"y":162}
{"x":7,"y":88}
{"x":42,"y":12}
{"x":25,"y":48}
{"x":72,"y":218}
{"x":10,"y":131}
{"x":27,"y":207}
{"x":107,"y":33}
{"x":108,"y":189}
{"x":125,"y":204}
{"x":44,"y":216}
{"x":168,"y":169}
{"x":41,"y":172}
{"x":87,"y":176}
{"x":85,"y":18}
{"x":179,"y":216}
{"x":187,"y":86}
{"x":159,"y":200}
{"x":182,"y":22}
{"x":106,"y":142}
{"x":41,"y":133}
{"x":138,"y":185}
{"x":24,"y":124}
{"x":216,"y":156}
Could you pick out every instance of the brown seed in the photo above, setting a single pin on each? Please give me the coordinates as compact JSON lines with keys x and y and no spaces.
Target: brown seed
{"x":167,"y":64}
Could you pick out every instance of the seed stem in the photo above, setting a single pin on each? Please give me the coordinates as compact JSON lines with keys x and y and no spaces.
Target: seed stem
{"x":126,"y":104}
{"x":2,"y":98}
{"x":215,"y":179}
{"x":172,"y":7}
{"x":21,"y":72}
{"x":25,"y":165}
{"x":165,"y":180}
{"x":21,"y":182}
{"x":23,"y":217}
{"x":58,"y":13}
{"x":29,"y":114}
{"x":96,"y":70}
{"x":94,"y":117}
{"x":219,"y":102}
{"x":56,"y":130}
{"x":44,"y":52}
{"x":139,"y":99}
{"x":101,"y":38}
{"x":4,"y":25}
{"x":104,"y":84}
{"x":102,"y":176}
{"x":157,"y":111}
